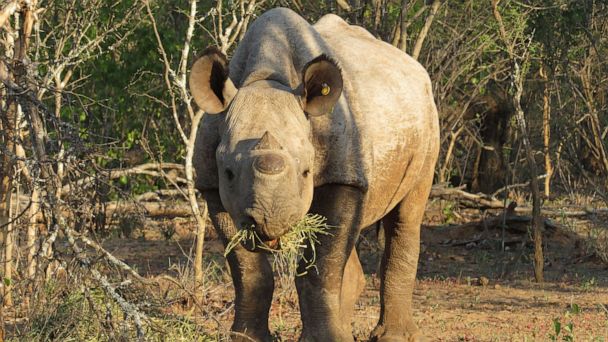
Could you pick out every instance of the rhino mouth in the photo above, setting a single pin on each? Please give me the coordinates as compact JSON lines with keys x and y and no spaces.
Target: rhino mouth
{"x":273,"y":244}
{"x":255,"y":239}
{"x":256,"y":244}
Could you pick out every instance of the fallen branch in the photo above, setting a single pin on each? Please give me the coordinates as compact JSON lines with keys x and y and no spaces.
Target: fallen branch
{"x":484,"y":201}
{"x":480,"y":200}
{"x":565,"y":211}
{"x":509,"y":221}
{"x":158,"y":194}
{"x":150,"y":169}
{"x":150,"y":209}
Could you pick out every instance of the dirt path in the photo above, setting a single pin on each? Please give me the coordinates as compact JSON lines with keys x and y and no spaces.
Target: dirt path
{"x":459,"y":295}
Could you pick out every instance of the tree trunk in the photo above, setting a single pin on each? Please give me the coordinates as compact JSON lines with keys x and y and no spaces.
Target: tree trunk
{"x":425,"y":29}
{"x":9,"y":241}
{"x":537,"y":220}
{"x":8,"y":118}
{"x":32,"y":232}
{"x":517,"y":90}
{"x":400,"y":37}
{"x":443,"y":172}
{"x":377,"y":4}
{"x":546,"y":129}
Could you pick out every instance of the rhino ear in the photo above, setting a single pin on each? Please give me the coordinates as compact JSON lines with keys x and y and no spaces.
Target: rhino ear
{"x":209,"y":83}
{"x":322,"y":85}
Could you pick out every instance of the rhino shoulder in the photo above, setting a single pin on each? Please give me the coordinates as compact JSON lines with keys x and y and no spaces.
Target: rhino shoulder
{"x":331,"y":24}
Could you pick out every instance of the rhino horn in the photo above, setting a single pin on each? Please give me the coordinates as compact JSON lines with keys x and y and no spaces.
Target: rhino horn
{"x":267,"y":142}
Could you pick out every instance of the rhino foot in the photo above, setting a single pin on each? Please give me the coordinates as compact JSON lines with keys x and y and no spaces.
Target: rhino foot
{"x":236,"y":336}
{"x":380,"y":334}
{"x":334,"y":335}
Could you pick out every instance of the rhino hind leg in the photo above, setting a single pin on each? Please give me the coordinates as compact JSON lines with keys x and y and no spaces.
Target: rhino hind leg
{"x":322,"y":302}
{"x":399,"y":265}
{"x":252,"y":279}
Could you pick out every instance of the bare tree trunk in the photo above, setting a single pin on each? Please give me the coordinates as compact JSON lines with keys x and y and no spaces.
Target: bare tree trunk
{"x":28,"y":24}
{"x":598,"y":144}
{"x":343,"y":4}
{"x":546,"y":129}
{"x":9,"y":242}
{"x":178,"y":82}
{"x":537,"y":220}
{"x":517,"y":89}
{"x":199,"y":214}
{"x":5,"y":217}
{"x":32,"y":241}
{"x":9,"y":123}
{"x":377,"y":4}
{"x":425,"y":29}
{"x":401,"y":32}
{"x":448,"y":155}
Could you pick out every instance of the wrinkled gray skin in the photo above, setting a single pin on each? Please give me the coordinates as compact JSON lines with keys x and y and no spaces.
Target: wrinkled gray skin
{"x":275,"y":151}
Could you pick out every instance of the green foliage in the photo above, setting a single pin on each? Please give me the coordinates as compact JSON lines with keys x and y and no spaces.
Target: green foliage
{"x":562,"y":332}
{"x":448,"y":212}
{"x":120,"y":101}
{"x":589,"y":284}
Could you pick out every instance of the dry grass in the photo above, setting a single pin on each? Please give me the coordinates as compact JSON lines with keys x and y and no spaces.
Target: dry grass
{"x":301,"y":235}
{"x":71,"y":307}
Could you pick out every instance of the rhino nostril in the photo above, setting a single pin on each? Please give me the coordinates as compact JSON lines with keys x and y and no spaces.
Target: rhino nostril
{"x":271,"y":163}
{"x":229,"y":174}
{"x":248,"y":222}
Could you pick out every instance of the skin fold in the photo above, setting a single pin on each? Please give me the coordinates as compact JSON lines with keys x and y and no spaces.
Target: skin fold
{"x":322,"y":119}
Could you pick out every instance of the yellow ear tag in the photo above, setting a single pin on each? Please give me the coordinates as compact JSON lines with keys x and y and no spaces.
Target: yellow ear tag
{"x":325,"y":89}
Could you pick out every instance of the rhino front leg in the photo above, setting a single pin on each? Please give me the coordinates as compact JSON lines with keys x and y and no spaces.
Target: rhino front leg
{"x":252,"y":279}
{"x":399,"y":265}
{"x":324,"y":317}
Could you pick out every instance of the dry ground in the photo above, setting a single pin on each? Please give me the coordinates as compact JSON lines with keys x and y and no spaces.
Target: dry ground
{"x":467,"y":290}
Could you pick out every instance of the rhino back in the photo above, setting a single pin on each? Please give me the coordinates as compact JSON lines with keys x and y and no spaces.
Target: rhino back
{"x":277,"y":46}
{"x":388,"y":113}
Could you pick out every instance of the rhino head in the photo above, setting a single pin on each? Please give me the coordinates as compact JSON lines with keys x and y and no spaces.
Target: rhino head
{"x":265,"y":153}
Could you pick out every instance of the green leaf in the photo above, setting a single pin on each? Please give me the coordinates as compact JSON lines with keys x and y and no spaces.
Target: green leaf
{"x":557,"y":326}
{"x":575,"y":309}
{"x":123,"y":180}
{"x":7,"y":282}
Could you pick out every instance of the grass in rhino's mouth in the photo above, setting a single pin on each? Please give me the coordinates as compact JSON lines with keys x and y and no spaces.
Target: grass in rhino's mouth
{"x":301,"y":235}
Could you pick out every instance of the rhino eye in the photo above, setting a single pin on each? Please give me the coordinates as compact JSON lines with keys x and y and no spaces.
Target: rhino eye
{"x":229,"y":174}
{"x":305,"y":173}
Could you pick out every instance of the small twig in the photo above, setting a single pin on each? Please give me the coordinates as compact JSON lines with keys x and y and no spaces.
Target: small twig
{"x":519,"y":185}
{"x":168,"y":74}
{"x":128,"y":308}
{"x":8,"y":10}
{"x":112,"y":259}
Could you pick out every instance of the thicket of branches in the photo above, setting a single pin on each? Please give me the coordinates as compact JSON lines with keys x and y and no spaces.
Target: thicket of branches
{"x":96,"y":119}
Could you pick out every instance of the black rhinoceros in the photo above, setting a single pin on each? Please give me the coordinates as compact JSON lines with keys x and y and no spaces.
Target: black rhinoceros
{"x":322,"y":119}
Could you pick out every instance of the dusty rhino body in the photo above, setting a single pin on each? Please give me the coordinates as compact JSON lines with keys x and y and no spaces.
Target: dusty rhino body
{"x":319,"y":119}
